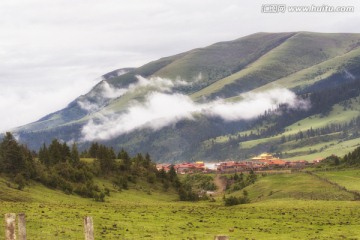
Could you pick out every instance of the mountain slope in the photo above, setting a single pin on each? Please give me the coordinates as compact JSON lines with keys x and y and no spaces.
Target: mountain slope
{"x":222,"y":59}
{"x":304,"y":62}
{"x":299,"y":52}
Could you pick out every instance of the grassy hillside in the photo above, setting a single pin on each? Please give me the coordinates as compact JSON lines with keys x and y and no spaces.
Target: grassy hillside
{"x":289,"y":212}
{"x":295,"y":186}
{"x":301,"y":51}
{"x":315,"y":73}
{"x":347,"y":178}
{"x":219,"y":60}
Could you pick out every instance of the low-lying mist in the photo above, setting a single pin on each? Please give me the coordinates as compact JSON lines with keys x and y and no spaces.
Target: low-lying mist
{"x":162,"y":108}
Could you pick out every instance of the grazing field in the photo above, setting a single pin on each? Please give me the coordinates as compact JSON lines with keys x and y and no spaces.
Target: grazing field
{"x":347,"y":178}
{"x":300,"y":186}
{"x":286,"y":213}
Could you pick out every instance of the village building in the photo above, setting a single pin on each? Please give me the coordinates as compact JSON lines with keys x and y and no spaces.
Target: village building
{"x":184,"y":168}
{"x":263,"y":157}
{"x":264,"y":161}
{"x":269,"y":160}
{"x":165,"y":166}
{"x":231,"y":166}
{"x":297,"y":164}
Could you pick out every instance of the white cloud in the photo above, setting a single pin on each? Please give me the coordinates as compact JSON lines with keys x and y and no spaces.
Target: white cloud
{"x":110,"y":92}
{"x":163,"y":109}
{"x":159,"y":83}
{"x":158,"y":111}
{"x":105,"y":91}
{"x":253,"y":104}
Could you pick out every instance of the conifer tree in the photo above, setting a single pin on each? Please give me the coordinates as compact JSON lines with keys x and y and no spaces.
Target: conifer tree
{"x":74,"y":155}
{"x":124,"y":156}
{"x":93,"y":150}
{"x":13,"y":160}
{"x":44,"y":156}
{"x":55,"y":152}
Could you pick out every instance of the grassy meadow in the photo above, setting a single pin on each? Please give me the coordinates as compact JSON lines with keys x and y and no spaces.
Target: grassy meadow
{"x":283,"y":206}
{"x":350,"y":179}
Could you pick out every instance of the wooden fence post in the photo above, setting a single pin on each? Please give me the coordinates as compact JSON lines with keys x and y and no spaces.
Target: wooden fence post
{"x":10,"y":224}
{"x":22,"y":226}
{"x":221,"y":237}
{"x":88,"y":228}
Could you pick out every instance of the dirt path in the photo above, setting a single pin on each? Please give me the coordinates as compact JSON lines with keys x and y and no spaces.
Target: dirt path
{"x":221,"y":185}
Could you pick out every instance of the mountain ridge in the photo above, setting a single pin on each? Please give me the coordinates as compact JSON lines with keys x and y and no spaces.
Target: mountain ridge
{"x":254,"y":63}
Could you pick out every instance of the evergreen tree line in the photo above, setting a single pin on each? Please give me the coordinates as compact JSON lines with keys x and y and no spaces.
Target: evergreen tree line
{"x":352,"y":127}
{"x":352,"y":159}
{"x":16,"y":161}
{"x":58,"y":166}
{"x":184,"y":190}
{"x":238,"y":182}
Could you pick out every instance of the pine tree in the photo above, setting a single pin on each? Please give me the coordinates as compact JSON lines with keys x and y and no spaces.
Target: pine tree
{"x":74,"y":155}
{"x":13,"y":160}
{"x":112,"y":153}
{"x":172,"y":174}
{"x":105,"y":159}
{"x":147,"y":161}
{"x":44,"y":156}
{"x":55,"y":152}
{"x":124,"y":156}
{"x":93,"y":150}
{"x":65,"y":152}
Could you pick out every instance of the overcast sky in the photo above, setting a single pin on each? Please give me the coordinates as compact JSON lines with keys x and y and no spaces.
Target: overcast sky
{"x":53,"y":51}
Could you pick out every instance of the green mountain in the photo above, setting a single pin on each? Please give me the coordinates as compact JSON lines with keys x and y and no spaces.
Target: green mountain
{"x":322,"y":68}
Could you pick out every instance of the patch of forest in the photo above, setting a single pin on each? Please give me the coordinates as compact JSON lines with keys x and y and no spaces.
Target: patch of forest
{"x":58,"y":166}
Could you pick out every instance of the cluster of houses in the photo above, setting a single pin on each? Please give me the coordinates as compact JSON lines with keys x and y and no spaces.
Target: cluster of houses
{"x":183,"y":168}
{"x":264,"y":161}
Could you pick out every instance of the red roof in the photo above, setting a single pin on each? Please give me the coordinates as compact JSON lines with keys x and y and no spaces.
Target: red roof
{"x":273,"y":161}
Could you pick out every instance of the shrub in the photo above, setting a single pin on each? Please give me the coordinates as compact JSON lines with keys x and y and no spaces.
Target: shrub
{"x":20,"y":181}
{"x":99,"y":197}
{"x":231,"y":201}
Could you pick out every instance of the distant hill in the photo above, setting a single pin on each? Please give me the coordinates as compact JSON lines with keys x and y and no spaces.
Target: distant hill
{"x":314,"y":66}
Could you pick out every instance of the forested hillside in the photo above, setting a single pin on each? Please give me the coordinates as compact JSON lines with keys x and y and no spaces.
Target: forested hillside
{"x":321,"y":69}
{"x":61,"y":167}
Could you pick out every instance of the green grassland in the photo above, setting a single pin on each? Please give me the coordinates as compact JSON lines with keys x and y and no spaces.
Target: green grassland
{"x":336,"y":148}
{"x":299,"y":186}
{"x":313,"y":74}
{"x":284,"y":206}
{"x":221,"y":59}
{"x":293,"y":150}
{"x":337,"y":115}
{"x":300,"y":52}
{"x":347,"y":178}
